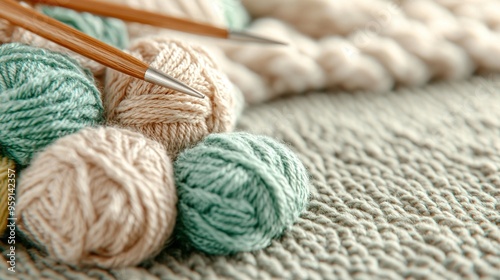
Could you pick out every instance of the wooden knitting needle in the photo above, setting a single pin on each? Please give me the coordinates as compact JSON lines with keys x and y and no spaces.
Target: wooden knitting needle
{"x":88,"y":46}
{"x":126,"y":13}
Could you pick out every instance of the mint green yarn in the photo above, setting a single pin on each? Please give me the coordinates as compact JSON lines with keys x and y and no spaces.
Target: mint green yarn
{"x":43,"y":96}
{"x":109,"y":30}
{"x":235,"y":14}
{"x":237,"y":192}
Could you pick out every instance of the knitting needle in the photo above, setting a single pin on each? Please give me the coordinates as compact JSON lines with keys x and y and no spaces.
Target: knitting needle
{"x":103,"y":8}
{"x":85,"y":45}
{"x":244,"y":36}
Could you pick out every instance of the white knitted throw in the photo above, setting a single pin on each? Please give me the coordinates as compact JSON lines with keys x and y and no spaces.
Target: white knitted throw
{"x":352,"y":45}
{"x":370,"y":44}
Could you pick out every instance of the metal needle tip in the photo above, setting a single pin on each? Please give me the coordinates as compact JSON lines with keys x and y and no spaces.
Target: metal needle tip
{"x":159,"y":78}
{"x":243,"y":36}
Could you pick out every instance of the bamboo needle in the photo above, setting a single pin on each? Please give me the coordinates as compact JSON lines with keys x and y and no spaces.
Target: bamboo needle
{"x":103,"y":8}
{"x":88,"y":46}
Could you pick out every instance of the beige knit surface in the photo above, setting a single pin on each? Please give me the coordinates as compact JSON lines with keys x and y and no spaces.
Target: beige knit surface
{"x":374,"y":45}
{"x":406,"y":185}
{"x":369,"y":45}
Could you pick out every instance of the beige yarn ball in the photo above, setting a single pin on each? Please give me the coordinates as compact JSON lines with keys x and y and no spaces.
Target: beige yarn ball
{"x":176,"y":120}
{"x":103,"y":197}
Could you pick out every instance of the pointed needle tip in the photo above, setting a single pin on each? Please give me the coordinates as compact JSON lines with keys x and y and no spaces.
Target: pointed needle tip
{"x":162,"y":79}
{"x":198,"y":94}
{"x":244,"y":36}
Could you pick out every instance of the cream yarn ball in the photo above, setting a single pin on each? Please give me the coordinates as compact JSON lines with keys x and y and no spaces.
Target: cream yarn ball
{"x":174,"y":119}
{"x":101,"y":197}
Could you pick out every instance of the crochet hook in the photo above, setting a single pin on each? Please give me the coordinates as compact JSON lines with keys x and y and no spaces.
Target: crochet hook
{"x":88,"y":46}
{"x":107,"y":9}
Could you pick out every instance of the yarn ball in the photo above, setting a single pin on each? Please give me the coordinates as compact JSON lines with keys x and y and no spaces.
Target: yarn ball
{"x":6,"y":167}
{"x":237,"y":192}
{"x":199,"y":10}
{"x":109,"y":30}
{"x":235,"y":14}
{"x":101,"y":197}
{"x":43,"y":96}
{"x":176,"y":120}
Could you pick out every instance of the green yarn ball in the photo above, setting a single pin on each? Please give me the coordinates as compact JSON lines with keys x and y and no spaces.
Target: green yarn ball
{"x":235,"y":14}
{"x":109,"y":30}
{"x":43,"y":96}
{"x":237,"y":192}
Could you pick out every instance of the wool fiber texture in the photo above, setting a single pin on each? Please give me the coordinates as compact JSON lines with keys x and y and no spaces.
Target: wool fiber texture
{"x":210,"y":12}
{"x":353,"y":45}
{"x":405,"y":185}
{"x":237,"y":192}
{"x":44,"y":95}
{"x":109,"y":30}
{"x":172,"y":118}
{"x":102,"y":197}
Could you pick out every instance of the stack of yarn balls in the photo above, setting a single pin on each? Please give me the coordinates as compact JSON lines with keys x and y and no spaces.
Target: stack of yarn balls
{"x":108,"y":176}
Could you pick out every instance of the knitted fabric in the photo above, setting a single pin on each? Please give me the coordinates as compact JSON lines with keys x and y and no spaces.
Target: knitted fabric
{"x":371,"y":45}
{"x":405,"y":185}
{"x":356,"y":45}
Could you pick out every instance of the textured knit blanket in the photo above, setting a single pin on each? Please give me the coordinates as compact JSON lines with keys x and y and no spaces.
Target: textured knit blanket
{"x":369,"y":45}
{"x":406,"y":185}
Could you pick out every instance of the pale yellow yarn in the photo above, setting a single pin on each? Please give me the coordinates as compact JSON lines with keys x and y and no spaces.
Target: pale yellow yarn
{"x":5,"y":165}
{"x":102,"y":197}
{"x":10,"y":33}
{"x":176,"y":120}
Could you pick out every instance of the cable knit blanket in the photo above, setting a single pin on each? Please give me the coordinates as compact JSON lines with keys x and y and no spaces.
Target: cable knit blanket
{"x":406,"y":185}
{"x":353,"y":45}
